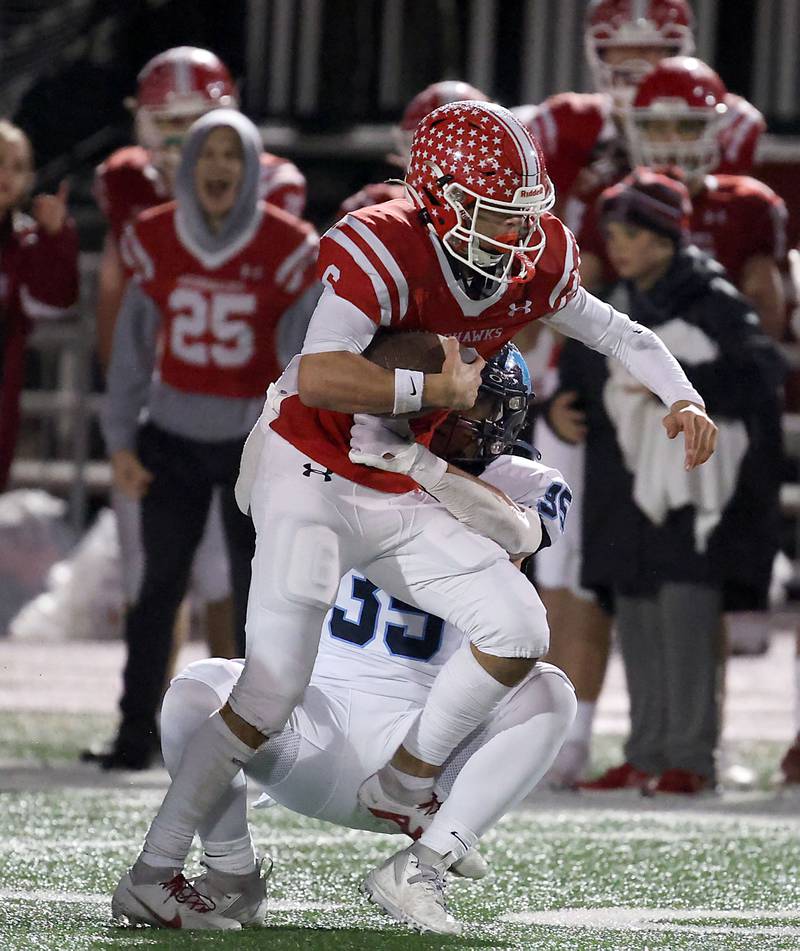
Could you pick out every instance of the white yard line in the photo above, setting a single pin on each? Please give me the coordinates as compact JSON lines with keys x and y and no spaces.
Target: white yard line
{"x":663,"y":919}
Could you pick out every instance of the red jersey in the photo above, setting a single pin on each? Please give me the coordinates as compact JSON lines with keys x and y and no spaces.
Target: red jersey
{"x":734,"y":218}
{"x":584,"y":151}
{"x":219,"y":312}
{"x":128,"y":183}
{"x":385,"y":262}
{"x":38,"y":281}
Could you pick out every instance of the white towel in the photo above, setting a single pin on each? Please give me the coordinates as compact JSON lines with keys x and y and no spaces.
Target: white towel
{"x":660,"y":482}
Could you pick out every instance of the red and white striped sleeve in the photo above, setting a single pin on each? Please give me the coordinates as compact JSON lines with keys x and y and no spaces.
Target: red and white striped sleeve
{"x":358,"y":266}
{"x":562,"y":265}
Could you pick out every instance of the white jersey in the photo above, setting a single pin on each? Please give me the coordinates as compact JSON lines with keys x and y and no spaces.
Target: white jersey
{"x":375,"y":643}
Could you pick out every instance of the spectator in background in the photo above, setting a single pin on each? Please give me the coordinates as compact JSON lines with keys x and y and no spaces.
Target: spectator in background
{"x":661,"y":540}
{"x":174,"y":89}
{"x":38,"y":272}
{"x":221,"y":294}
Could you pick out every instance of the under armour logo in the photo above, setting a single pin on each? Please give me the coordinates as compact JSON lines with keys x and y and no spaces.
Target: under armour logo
{"x":325,"y":473}
{"x":525,"y":308}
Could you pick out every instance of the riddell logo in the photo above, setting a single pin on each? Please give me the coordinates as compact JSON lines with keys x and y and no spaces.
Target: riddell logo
{"x":527,"y":193}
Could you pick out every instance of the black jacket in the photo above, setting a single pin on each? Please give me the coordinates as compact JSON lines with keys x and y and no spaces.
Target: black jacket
{"x":623,"y":550}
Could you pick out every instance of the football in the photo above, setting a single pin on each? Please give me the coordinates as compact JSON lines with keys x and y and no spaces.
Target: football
{"x":407,"y":350}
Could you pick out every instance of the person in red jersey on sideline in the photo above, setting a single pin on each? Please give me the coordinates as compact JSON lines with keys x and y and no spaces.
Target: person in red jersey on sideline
{"x":174,"y":89}
{"x":582,"y":137}
{"x":220,"y":295}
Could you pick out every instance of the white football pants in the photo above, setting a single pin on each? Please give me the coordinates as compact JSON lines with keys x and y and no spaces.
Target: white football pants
{"x":313,"y":526}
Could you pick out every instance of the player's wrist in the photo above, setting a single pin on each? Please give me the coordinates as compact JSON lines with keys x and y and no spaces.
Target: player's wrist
{"x":436,"y":391}
{"x":408,"y":389}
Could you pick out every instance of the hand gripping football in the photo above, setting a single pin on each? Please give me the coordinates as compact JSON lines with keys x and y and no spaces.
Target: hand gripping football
{"x":407,"y":350}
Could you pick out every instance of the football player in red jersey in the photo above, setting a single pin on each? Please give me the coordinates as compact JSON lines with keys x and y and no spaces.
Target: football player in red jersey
{"x":174,"y":89}
{"x":674,"y":121}
{"x":581,"y":133}
{"x":431,"y":97}
{"x":38,"y":272}
{"x":473,"y":255}
{"x":221,"y":292}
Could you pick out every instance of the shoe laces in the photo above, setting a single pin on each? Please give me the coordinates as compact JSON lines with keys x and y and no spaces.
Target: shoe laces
{"x":432,"y":880}
{"x":186,"y":894}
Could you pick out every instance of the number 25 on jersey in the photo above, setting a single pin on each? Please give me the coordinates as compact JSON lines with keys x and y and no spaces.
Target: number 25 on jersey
{"x":211,"y":329}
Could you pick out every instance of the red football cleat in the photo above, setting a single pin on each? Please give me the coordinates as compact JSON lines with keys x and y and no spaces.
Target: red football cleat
{"x":683,"y":782}
{"x":626,"y":776}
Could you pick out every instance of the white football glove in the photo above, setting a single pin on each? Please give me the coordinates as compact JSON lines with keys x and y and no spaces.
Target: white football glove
{"x":373,"y":444}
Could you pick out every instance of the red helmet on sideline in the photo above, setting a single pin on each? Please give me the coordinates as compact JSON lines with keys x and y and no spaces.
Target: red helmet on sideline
{"x":182,"y":82}
{"x":431,"y":97}
{"x":637,"y":24}
{"x":677,"y":116}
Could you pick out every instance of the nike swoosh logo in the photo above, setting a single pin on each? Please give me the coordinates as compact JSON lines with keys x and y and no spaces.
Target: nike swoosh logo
{"x":457,"y":836}
{"x":413,"y":387}
{"x":164,"y":922}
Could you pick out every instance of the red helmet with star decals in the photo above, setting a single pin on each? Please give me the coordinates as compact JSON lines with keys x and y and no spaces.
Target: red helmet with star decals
{"x":644,"y":29}
{"x":677,"y":116}
{"x":433,"y":96}
{"x":478,"y":176}
{"x":181,"y":83}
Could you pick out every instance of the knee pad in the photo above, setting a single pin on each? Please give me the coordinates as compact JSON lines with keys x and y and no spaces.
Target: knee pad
{"x":517,"y":626}
{"x":309,"y":569}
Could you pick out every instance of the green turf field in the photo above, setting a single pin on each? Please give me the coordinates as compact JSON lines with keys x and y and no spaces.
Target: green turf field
{"x":568,"y":873}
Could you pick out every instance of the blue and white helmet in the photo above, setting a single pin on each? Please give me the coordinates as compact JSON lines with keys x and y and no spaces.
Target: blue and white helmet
{"x":495,"y":423}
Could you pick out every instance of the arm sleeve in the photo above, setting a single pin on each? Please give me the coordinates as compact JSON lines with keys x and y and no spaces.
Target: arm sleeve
{"x":132,"y":361}
{"x":515,"y":529}
{"x":641,"y":352}
{"x":336,"y":324}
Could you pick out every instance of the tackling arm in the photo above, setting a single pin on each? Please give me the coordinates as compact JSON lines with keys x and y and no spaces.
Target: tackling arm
{"x":481,"y":507}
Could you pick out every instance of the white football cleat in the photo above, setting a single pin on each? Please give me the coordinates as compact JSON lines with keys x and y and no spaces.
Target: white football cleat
{"x":171,"y":904}
{"x":412,"y":893}
{"x":413,"y":820}
{"x":242,"y":898}
{"x":472,"y":866}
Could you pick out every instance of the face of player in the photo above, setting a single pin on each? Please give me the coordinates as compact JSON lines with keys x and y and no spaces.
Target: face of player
{"x":453,"y":439}
{"x":170,"y":131}
{"x":638,"y":254}
{"x":627,"y":66}
{"x":218,"y":174}
{"x":15,"y":173}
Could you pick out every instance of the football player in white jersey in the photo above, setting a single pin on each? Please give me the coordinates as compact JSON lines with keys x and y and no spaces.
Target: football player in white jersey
{"x":377,"y":662}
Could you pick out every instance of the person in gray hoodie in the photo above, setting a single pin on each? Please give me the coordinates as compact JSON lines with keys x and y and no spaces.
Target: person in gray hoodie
{"x":220,"y":295}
